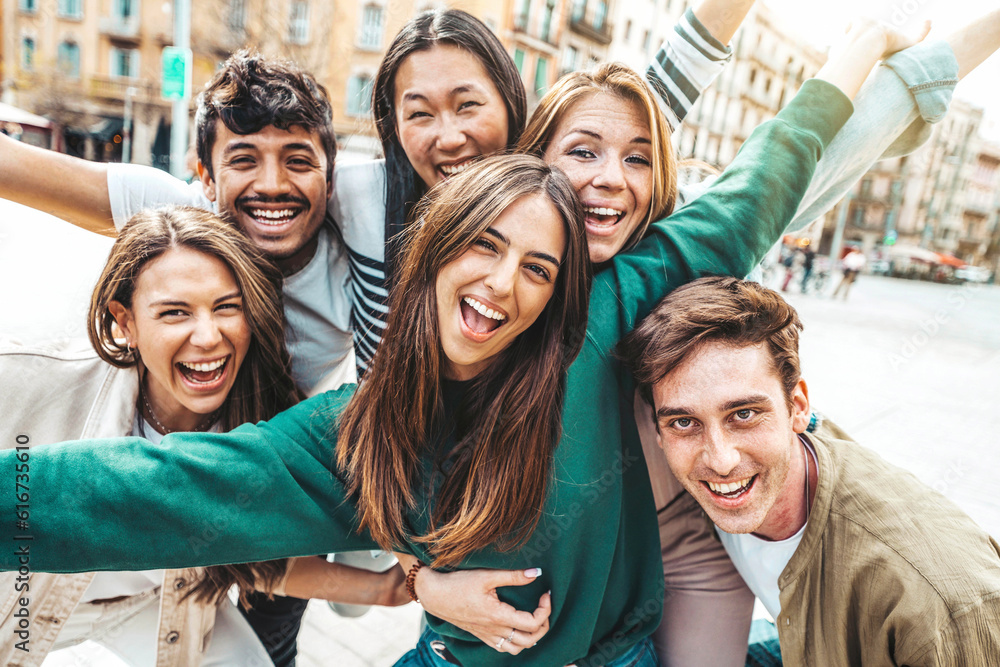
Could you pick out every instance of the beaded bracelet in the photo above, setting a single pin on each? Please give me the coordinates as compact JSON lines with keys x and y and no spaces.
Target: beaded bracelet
{"x":411,"y":580}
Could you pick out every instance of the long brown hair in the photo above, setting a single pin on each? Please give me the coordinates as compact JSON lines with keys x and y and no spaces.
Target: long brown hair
{"x":622,"y":82}
{"x":263,"y":385}
{"x":510,"y":418}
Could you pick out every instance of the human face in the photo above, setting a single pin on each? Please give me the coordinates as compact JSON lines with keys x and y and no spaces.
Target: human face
{"x":722,"y":419}
{"x":448,"y":111}
{"x":187,"y":323}
{"x":498,"y":287}
{"x":274,"y":184}
{"x":603,"y":144}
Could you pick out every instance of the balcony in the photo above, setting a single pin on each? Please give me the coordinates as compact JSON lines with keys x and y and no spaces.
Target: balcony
{"x":114,"y":88}
{"x":125,"y":28}
{"x":583,"y":27}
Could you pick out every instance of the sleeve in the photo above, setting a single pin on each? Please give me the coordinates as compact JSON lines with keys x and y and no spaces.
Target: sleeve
{"x":687,"y":63}
{"x":259,"y":492}
{"x":971,"y":638}
{"x":731,"y":227}
{"x":132,"y":188}
{"x":893,"y":112}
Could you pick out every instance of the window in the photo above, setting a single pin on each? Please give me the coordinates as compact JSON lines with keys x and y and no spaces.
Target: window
{"x":359,"y":95}
{"x":27,"y":6}
{"x":372,"y":20}
{"x":70,"y":9}
{"x":237,"y":15}
{"x":541,"y":75}
{"x":601,"y":15}
{"x":628,"y":30}
{"x":124,"y":62}
{"x":124,"y":9}
{"x":645,"y":40}
{"x":579,"y":9}
{"x":28,"y":53}
{"x":570,"y":56}
{"x":523,"y":12}
{"x":519,"y":60}
{"x":546,"y":32}
{"x":298,"y":22}
{"x":69,"y":59}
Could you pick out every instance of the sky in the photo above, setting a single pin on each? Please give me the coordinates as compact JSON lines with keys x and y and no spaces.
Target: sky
{"x":822,"y":22}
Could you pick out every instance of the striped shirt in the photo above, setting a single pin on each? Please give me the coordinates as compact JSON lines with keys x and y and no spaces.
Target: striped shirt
{"x":687,"y":63}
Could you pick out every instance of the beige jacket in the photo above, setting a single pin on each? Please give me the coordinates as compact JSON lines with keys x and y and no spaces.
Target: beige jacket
{"x":64,"y":391}
{"x":888,"y":573}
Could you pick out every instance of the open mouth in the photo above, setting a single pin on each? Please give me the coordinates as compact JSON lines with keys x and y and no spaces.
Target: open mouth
{"x":204,"y":375}
{"x":447,"y":170}
{"x":278,"y":217}
{"x":731,"y":490}
{"x":480,"y":320}
{"x":602,"y":219}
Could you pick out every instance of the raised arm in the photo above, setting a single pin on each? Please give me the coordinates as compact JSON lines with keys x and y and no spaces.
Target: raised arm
{"x":259,"y":492}
{"x":67,"y":187}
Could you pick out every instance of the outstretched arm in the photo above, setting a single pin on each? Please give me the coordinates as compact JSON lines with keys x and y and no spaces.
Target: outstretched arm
{"x":312,"y":577}
{"x":259,"y":492}
{"x":67,"y":187}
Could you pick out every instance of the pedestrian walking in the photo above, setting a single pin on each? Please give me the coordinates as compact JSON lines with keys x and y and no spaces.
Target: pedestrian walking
{"x":852,"y":264}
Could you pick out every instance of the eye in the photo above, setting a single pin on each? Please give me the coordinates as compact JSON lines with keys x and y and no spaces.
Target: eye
{"x":229,"y":307}
{"x":469,"y":104}
{"x":582,"y":153}
{"x":539,"y":271}
{"x":176,"y":312}
{"x":485,"y":244}
{"x":241,"y":161}
{"x":746,"y":414}
{"x":682,"y":423}
{"x":301,"y":162}
{"x":418,"y":114}
{"x":638,"y":159}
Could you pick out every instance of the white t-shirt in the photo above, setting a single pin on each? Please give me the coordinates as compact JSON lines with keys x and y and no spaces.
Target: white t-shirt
{"x":317,"y":297}
{"x":760,"y":562}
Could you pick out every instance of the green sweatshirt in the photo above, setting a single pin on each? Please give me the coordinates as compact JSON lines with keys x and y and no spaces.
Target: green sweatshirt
{"x":267,"y":491}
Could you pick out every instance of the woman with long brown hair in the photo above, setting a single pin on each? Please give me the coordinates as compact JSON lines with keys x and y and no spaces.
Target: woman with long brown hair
{"x":186,"y":334}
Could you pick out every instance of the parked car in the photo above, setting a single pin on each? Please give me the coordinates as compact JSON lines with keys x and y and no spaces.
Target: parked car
{"x":973,"y":274}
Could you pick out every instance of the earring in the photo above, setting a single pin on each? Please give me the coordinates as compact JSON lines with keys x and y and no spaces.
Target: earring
{"x":128,"y":346}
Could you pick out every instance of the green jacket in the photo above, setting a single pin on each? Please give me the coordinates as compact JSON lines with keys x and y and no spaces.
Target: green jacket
{"x":267,"y":491}
{"x":889,"y":572}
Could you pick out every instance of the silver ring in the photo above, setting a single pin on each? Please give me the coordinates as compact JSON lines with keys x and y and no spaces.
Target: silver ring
{"x":510,"y":637}
{"x":499,"y":644}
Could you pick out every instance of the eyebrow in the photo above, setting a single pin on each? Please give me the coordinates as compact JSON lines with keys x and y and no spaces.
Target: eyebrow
{"x":458,"y":90}
{"x":753,"y":399}
{"x":595,"y":135}
{"x":168,"y":302}
{"x":246,"y":145}
{"x":531,"y":253}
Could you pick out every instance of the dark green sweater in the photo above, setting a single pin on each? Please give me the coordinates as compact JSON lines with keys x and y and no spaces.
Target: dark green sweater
{"x":266,"y":491}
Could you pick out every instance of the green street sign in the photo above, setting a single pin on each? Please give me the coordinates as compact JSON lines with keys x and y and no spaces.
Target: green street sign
{"x":176,"y":80}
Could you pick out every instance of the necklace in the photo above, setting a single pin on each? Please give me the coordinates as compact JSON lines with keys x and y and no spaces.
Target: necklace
{"x":805,"y":458}
{"x":166,"y":431}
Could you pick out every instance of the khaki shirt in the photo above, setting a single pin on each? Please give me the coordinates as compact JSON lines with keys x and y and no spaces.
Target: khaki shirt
{"x":63,"y":391}
{"x":889,"y":572}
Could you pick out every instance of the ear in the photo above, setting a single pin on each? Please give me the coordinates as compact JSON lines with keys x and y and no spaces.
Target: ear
{"x":207,"y":183}
{"x":123,"y":317}
{"x":801,"y":413}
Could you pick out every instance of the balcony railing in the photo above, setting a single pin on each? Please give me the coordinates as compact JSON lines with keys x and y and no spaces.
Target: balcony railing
{"x":583,"y":27}
{"x":116,"y":88}
{"x":120,"y":27}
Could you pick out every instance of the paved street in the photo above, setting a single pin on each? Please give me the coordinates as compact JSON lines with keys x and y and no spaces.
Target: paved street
{"x":910,"y":369}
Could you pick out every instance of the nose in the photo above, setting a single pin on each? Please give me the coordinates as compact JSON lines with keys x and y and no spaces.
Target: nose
{"x":501,"y":278}
{"x":451,"y":134}
{"x":610,"y":175}
{"x":272,"y":179}
{"x":719,"y":454}
{"x":206,"y":334}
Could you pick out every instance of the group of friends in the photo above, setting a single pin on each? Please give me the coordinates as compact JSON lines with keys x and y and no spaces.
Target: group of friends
{"x":514,"y":352}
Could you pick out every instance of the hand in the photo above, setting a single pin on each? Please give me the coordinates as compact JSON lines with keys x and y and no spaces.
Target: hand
{"x":468,"y":599}
{"x":892,"y":40}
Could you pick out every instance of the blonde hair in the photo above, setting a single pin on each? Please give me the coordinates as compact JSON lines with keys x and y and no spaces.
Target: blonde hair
{"x":624,"y":83}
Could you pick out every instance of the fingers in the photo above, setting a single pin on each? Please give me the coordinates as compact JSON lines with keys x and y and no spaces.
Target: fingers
{"x":499,"y":578}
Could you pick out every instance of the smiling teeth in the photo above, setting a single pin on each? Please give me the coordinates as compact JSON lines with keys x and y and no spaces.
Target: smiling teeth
{"x":602,"y":211}
{"x":272,"y":215}
{"x":483,"y":310}
{"x":452,"y":169}
{"x":729,"y":488}
{"x":206,"y":367}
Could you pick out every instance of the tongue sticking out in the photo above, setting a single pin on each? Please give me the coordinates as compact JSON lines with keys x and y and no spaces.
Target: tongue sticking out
{"x":476,"y":322}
